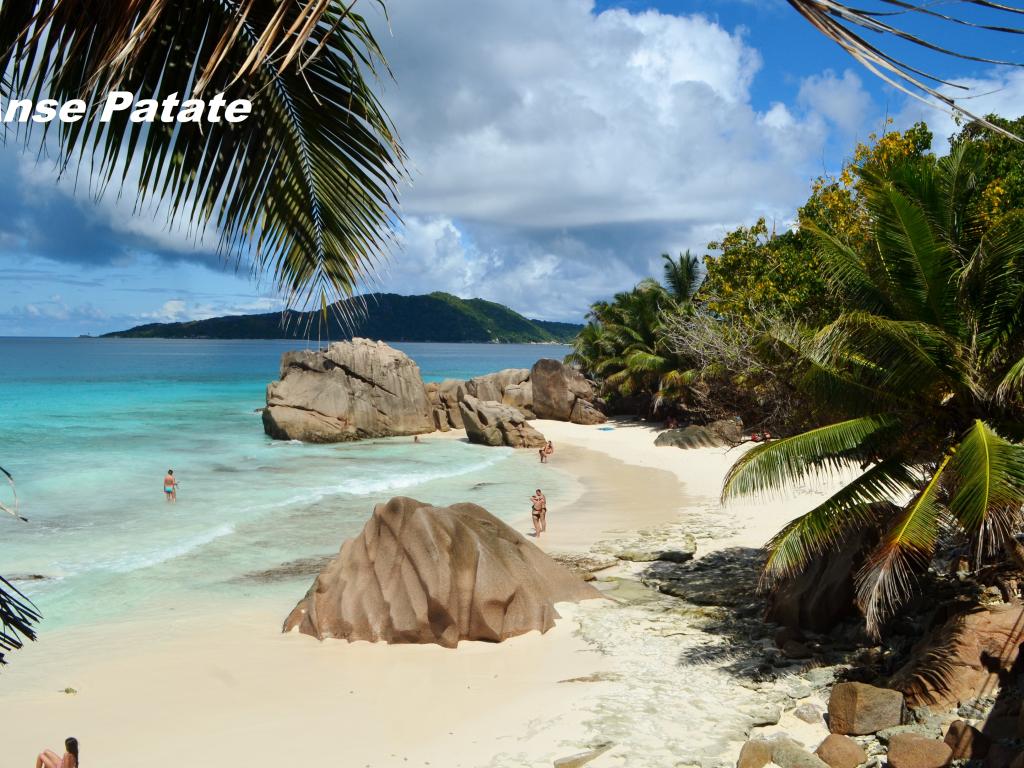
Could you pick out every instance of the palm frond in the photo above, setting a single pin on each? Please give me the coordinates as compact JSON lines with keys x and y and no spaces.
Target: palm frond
{"x":856,"y":505}
{"x":18,"y":617}
{"x":17,"y":613}
{"x":782,"y":463}
{"x":304,"y":190}
{"x":989,"y":482}
{"x":887,"y":578}
{"x":1010,"y":384}
{"x":899,"y":356}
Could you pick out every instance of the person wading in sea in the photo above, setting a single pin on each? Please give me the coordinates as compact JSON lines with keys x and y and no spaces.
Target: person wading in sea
{"x":546,"y":451}
{"x":170,"y":487}
{"x":540,"y":513}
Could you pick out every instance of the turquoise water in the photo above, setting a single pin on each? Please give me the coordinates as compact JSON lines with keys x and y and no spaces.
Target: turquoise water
{"x":88,"y":428}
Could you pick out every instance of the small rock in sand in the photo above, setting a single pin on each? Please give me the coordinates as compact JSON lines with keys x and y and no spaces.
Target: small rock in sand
{"x":966,"y":741}
{"x":756,"y":753}
{"x":909,"y":750}
{"x":808,"y":713}
{"x":582,"y":758}
{"x":787,"y":753}
{"x":841,"y":752}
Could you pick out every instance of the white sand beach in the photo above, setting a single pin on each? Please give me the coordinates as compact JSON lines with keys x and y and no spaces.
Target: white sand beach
{"x":227,"y":687}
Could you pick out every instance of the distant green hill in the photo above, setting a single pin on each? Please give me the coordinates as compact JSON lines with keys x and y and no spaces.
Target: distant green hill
{"x":386,"y":316}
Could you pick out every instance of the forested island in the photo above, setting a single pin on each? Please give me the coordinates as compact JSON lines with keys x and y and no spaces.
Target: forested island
{"x":439,"y":317}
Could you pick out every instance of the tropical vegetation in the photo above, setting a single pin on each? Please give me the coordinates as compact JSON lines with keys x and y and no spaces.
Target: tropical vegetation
{"x":923,"y":368}
{"x":624,"y":343}
{"x":884,"y":337}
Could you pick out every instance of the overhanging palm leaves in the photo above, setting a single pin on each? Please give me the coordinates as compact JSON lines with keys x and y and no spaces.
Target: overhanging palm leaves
{"x":17,"y":614}
{"x":846,"y":26}
{"x":303,"y":190}
{"x":922,"y":339}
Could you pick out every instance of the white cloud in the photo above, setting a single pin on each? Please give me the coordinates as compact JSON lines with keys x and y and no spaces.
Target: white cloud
{"x":841,"y":100}
{"x":542,"y":114}
{"x":180,"y":310}
{"x":557,"y":152}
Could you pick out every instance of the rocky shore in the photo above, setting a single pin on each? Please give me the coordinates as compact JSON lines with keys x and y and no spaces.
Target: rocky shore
{"x":361,"y":389}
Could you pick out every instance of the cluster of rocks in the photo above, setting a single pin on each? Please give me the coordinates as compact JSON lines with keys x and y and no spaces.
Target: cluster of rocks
{"x":424,"y":574}
{"x":364,"y":389}
{"x":868,"y":724}
{"x":548,"y":390}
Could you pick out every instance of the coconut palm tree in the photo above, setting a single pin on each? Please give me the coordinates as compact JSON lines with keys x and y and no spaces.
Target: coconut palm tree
{"x":682,"y":276}
{"x":625,"y":346}
{"x":925,"y":367}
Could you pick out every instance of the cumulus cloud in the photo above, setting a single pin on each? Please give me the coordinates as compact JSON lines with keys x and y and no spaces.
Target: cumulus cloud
{"x":840,"y":99}
{"x":555,"y":152}
{"x":542,"y":113}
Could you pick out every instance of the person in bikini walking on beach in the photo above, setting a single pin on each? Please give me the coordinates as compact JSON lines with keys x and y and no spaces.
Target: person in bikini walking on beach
{"x":540,"y":513}
{"x":170,"y":487}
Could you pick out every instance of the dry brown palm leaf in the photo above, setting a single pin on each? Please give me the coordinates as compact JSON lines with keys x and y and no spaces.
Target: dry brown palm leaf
{"x":840,"y":23}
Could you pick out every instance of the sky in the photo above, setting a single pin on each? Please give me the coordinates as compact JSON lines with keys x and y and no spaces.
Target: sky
{"x":556,"y":149}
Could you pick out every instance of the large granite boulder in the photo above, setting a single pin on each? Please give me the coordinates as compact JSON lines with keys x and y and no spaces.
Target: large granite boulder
{"x":964,"y":657}
{"x":492,"y":386}
{"x":352,"y":390}
{"x":520,"y":397}
{"x":449,"y":393}
{"x":714,"y":435}
{"x":424,"y":574}
{"x":556,"y":388}
{"x":692,"y":436}
{"x":491,"y":423}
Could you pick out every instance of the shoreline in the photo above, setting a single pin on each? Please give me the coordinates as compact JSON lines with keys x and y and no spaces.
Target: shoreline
{"x":193,"y":689}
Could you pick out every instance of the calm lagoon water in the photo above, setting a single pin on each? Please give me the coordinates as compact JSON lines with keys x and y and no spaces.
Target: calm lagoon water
{"x":89,"y":426}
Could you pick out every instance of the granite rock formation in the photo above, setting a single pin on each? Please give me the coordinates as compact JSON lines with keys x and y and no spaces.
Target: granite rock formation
{"x":973,"y":649}
{"x":490,"y":423}
{"x":424,"y":574}
{"x":352,"y":390}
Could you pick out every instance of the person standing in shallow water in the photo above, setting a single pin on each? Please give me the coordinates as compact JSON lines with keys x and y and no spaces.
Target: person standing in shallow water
{"x":539,"y":512}
{"x":546,"y":451}
{"x":170,"y":487}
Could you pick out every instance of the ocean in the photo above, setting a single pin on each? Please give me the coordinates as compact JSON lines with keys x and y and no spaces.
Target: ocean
{"x":88,"y":427}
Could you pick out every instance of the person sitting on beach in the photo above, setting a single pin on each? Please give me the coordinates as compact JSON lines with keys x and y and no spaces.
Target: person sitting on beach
{"x":539,"y":512}
{"x":49,"y":759}
{"x":170,"y":486}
